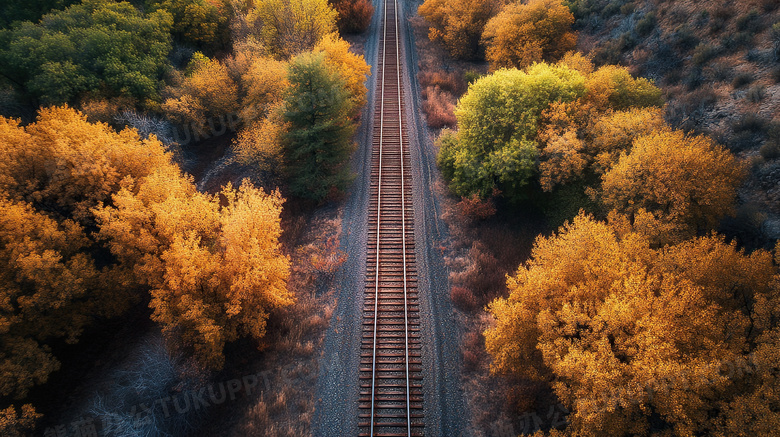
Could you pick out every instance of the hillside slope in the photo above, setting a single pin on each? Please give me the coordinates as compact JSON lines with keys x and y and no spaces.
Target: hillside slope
{"x":718,"y":63}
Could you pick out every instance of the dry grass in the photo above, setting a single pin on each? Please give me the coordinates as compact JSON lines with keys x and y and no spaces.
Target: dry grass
{"x":442,"y":79}
{"x":290,"y":351}
{"x":479,"y":254}
{"x":298,"y":332}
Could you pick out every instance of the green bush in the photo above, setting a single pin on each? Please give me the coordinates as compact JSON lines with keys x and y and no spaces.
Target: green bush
{"x":684,"y":38}
{"x":750,"y":22}
{"x":471,"y":76}
{"x":646,"y":24}
{"x":498,"y":120}
{"x":741,"y":80}
{"x":101,"y":46}
{"x":703,"y":53}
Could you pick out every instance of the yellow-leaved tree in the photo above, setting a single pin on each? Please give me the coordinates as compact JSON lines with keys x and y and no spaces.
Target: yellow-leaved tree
{"x":289,"y":27}
{"x":671,"y":185}
{"x":264,"y":83}
{"x":56,"y":276}
{"x":525,"y":33}
{"x":204,"y":96}
{"x":65,"y":166}
{"x":352,"y":68}
{"x":216,"y":271}
{"x":48,"y":292}
{"x":638,"y":341}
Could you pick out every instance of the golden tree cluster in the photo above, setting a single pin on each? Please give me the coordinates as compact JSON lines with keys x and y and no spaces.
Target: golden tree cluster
{"x":506,"y":33}
{"x":631,"y":336}
{"x":91,"y":219}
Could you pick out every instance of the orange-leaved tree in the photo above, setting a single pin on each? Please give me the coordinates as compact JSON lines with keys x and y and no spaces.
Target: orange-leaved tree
{"x":216,"y":271}
{"x":459,"y":24}
{"x":65,"y":166}
{"x":57,"y":277}
{"x":524,"y":33}
{"x":634,"y":338}
{"x":354,"y":15}
{"x":672,"y":185}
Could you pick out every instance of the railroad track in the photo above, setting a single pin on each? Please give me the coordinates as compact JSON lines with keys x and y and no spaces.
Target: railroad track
{"x":391,"y":399}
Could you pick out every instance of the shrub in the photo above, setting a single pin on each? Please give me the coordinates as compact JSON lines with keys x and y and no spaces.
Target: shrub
{"x":439,"y":108}
{"x":741,"y":80}
{"x":770,"y":150}
{"x":703,"y":53}
{"x":611,"y":9}
{"x":720,"y":16}
{"x":750,"y":123}
{"x":451,"y":82}
{"x":754,"y":55}
{"x":473,"y":349}
{"x":734,"y":41}
{"x":749,"y":22}
{"x":475,"y":208}
{"x":694,"y":79}
{"x":463,"y":298}
{"x":684,"y":38}
{"x":471,"y":76}
{"x":755,"y":94}
{"x":646,"y":24}
{"x":354,"y":15}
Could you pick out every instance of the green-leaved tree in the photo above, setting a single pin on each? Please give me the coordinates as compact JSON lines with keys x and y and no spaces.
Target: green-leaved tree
{"x":97,"y":45}
{"x":318,"y":141}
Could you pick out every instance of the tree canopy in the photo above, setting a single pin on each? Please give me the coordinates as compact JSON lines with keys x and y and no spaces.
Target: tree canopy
{"x":498,"y":120}
{"x":671,"y":185}
{"x":96,"y":45}
{"x":206,"y":94}
{"x":635,"y":338}
{"x":459,"y":25}
{"x":354,"y":15}
{"x":318,"y":142}
{"x":524,"y":33}
{"x":289,"y":27}
{"x":215,"y":271}
{"x":200,"y":22}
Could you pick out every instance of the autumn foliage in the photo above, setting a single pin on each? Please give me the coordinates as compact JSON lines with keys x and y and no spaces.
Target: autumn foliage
{"x":671,"y":185}
{"x":289,"y":27}
{"x":205,"y":95}
{"x":92,"y":217}
{"x":215,"y":271}
{"x":354,"y":15}
{"x":635,"y":338}
{"x":524,"y":33}
{"x":459,"y":24}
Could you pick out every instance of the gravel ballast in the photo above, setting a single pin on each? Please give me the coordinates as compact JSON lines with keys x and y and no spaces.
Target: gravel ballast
{"x":336,"y":412}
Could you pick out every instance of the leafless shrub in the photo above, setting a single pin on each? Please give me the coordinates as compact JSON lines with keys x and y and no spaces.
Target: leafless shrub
{"x":132,"y":407}
{"x":148,"y":125}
